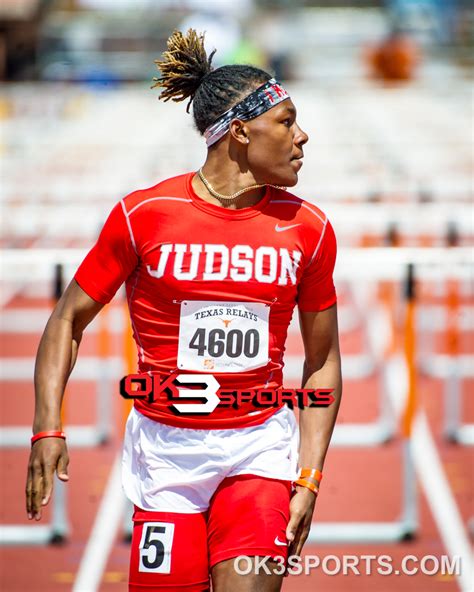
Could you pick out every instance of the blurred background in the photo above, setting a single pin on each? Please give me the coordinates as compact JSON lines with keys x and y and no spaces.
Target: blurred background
{"x":385,"y":91}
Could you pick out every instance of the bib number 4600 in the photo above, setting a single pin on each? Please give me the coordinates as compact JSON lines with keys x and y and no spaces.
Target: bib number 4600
{"x":234,"y":343}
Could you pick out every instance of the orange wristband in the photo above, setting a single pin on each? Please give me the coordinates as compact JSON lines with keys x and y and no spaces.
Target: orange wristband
{"x":312,"y":473}
{"x":311,"y":486}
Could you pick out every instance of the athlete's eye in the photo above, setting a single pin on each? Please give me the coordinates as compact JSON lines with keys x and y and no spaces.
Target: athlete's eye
{"x":287,"y":122}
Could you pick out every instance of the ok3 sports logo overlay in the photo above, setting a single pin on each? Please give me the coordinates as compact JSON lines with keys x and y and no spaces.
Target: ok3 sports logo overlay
{"x":206,"y":389}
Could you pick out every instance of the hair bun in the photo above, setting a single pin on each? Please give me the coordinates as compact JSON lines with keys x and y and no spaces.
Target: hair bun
{"x":183,"y":67}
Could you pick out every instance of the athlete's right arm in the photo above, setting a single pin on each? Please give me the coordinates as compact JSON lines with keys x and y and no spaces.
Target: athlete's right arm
{"x":55,"y":360}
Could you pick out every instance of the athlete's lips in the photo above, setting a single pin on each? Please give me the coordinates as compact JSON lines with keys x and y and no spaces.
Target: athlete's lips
{"x":298,"y":160}
{"x":298,"y":157}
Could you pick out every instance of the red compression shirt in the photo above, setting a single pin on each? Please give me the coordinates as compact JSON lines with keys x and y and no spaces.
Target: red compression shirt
{"x":212,"y":290}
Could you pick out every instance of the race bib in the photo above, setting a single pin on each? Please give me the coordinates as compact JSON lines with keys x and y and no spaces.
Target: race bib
{"x":223,"y":336}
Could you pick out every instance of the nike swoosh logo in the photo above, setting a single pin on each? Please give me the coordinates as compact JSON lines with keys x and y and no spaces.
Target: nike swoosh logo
{"x":279,"y":543}
{"x":283,"y":228}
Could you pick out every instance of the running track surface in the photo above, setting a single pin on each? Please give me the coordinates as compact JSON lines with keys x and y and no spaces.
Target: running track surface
{"x":360,"y":484}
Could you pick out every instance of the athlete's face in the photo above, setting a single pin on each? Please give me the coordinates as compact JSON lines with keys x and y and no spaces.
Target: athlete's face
{"x":275,"y":145}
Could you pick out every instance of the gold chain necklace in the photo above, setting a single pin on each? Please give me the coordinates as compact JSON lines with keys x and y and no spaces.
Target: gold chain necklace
{"x":227,"y":199}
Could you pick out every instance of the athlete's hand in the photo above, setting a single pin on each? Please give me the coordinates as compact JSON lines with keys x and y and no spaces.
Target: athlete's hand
{"x":48,"y":455}
{"x":301,"y":515}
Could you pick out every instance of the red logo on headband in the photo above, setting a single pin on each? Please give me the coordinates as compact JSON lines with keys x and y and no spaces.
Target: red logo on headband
{"x":277,"y":90}
{"x":281,"y":92}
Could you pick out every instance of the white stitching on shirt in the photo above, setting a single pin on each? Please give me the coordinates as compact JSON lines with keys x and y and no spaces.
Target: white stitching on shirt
{"x":319,"y":243}
{"x":141,"y":351}
{"x":132,"y":238}
{"x":155,"y":199}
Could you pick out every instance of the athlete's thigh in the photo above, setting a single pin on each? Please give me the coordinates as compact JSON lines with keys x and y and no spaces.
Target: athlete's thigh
{"x":250,"y":576}
{"x":248,"y":516}
{"x":169,"y":552}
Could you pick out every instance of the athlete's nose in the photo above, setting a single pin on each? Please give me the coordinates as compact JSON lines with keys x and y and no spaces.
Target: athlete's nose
{"x":301,"y":137}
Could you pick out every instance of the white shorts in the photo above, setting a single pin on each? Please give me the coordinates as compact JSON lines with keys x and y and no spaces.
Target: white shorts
{"x":171,"y":469}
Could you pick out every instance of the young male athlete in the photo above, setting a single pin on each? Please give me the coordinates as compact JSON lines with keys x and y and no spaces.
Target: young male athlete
{"x":214,"y":263}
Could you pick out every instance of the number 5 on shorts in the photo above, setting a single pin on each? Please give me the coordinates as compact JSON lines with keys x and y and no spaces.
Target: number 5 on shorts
{"x":155,"y":547}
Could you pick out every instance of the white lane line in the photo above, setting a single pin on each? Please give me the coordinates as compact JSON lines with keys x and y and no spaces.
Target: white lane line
{"x":103,"y":533}
{"x":441,"y":501}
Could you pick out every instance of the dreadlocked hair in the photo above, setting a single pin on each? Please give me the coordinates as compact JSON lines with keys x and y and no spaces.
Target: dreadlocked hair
{"x":186,"y":72}
{"x":184,"y":66}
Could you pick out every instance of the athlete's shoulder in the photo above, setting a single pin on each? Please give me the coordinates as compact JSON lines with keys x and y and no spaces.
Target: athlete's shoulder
{"x":303,"y":211}
{"x":170,"y":190}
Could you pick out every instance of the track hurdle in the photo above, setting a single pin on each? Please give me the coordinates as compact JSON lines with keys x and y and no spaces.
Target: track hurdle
{"x":450,"y":366}
{"x":410,"y":506}
{"x":357,"y":367}
{"x":391,"y":264}
{"x":58,"y":529}
{"x":454,"y":429}
{"x":383,"y":429}
{"x":79,"y":436}
{"x":405,"y":527}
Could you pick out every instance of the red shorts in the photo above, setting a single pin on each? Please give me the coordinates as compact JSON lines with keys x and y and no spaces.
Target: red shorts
{"x":247,"y":515}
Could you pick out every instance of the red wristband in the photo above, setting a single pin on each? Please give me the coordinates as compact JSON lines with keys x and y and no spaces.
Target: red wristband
{"x":48,"y":434}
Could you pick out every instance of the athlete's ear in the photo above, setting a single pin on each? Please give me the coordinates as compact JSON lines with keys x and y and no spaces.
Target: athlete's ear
{"x":239,"y":130}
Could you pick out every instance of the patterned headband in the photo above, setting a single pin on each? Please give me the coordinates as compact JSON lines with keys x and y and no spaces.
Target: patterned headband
{"x":257,"y":102}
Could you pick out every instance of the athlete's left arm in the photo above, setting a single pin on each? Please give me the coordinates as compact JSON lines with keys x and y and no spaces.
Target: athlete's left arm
{"x":322,"y":369}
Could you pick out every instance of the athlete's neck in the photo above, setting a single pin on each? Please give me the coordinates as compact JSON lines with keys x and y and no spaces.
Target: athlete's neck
{"x":227,"y":177}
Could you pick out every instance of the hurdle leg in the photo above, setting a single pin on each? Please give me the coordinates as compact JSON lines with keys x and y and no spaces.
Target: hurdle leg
{"x":103,"y":401}
{"x":60,"y":527}
{"x":130,"y":367}
{"x":452,"y":401}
